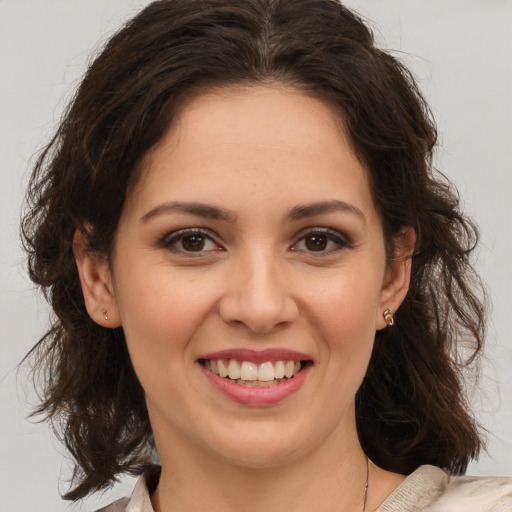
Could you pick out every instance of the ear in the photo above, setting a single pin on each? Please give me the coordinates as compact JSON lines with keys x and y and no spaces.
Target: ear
{"x":398,"y":274}
{"x":95,"y":279}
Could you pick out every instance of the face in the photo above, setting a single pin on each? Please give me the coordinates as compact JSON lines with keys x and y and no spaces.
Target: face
{"x":251,"y":248}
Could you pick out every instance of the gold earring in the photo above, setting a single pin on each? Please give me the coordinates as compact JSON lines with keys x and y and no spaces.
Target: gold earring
{"x":389,"y":317}
{"x":105,"y":316}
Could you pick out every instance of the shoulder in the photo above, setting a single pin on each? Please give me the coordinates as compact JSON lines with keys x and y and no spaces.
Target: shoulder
{"x":140,"y":500}
{"x":430,"y":489}
{"x":117,"y":506}
{"x":476,"y":494}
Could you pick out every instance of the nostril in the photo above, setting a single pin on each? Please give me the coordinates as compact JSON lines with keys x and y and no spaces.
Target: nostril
{"x":258,"y":298}
{"x":258,"y":318}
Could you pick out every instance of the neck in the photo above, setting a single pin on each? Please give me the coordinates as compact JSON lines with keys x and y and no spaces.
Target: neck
{"x":330,"y":478}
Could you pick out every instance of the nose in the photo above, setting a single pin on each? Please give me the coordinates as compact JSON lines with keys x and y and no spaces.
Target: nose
{"x":257,"y":295}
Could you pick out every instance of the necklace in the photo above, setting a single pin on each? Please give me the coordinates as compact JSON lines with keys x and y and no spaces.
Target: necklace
{"x":365,"y":492}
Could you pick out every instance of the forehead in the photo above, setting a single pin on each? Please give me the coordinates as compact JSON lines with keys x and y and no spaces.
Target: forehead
{"x":267,"y":115}
{"x":263,"y":135}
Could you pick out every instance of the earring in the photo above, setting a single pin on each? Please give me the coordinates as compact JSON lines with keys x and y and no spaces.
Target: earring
{"x":389,"y":317}
{"x":105,"y":316}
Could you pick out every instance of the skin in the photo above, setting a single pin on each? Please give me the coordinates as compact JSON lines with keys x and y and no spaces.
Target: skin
{"x":258,"y":153}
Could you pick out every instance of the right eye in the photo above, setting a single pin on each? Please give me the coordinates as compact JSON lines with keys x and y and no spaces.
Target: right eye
{"x":321,"y":242}
{"x":190,"y":241}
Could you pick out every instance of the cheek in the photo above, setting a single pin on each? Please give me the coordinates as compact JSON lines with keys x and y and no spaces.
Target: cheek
{"x":162,"y":311}
{"x":161,"y":315}
{"x":345,"y":312}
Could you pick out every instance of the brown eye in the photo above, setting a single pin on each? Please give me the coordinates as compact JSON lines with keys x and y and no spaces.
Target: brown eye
{"x":316,"y":242}
{"x":193,"y":243}
{"x":323,"y":241}
{"x":190,"y":241}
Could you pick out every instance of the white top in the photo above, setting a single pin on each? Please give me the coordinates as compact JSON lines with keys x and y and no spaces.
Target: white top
{"x":428,"y":489}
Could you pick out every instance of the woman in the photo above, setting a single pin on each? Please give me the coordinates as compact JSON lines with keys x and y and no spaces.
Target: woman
{"x":237,"y":203}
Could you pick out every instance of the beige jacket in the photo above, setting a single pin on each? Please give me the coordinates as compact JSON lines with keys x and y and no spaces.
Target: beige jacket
{"x":428,"y":489}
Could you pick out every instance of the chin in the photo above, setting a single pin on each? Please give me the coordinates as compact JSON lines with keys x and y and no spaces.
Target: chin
{"x":256,"y":456}
{"x":268,"y":446}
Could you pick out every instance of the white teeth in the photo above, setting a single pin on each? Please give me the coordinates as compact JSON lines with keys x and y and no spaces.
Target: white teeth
{"x":266,"y":372}
{"x":257,"y":383}
{"x":249,"y":372}
{"x":223,"y":371}
{"x":289,"y":367}
{"x":234,"y":369}
{"x":278,"y":370}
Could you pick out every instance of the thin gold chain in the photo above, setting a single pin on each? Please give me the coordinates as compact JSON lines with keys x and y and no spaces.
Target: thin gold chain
{"x":365,"y":492}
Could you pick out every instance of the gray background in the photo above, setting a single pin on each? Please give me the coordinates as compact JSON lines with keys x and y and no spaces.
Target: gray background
{"x":461,"y":51}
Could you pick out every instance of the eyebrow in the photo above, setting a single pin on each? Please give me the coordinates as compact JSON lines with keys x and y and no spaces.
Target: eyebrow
{"x":303,"y":211}
{"x":197,"y":209}
{"x":299,"y":212}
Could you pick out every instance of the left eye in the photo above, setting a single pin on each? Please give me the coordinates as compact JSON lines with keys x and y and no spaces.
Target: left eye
{"x":190,"y":242}
{"x":320,"y":241}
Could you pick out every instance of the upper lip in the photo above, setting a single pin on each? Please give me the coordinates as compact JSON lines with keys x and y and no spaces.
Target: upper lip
{"x":258,"y":356}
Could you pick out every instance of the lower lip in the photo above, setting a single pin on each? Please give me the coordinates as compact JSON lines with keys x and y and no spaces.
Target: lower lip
{"x":256,"y":396}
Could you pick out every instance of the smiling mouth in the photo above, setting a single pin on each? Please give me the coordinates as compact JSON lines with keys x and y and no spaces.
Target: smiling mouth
{"x":250,"y":374}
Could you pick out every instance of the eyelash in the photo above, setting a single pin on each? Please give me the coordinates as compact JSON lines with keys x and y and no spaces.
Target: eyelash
{"x":330,"y":234}
{"x":170,"y":240}
{"x":333,"y":236}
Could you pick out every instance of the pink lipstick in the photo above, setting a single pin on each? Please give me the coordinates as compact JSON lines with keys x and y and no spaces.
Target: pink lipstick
{"x":256,"y":377}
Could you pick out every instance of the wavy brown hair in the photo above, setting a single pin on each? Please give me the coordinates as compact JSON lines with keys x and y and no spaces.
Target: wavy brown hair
{"x":411,"y":408}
